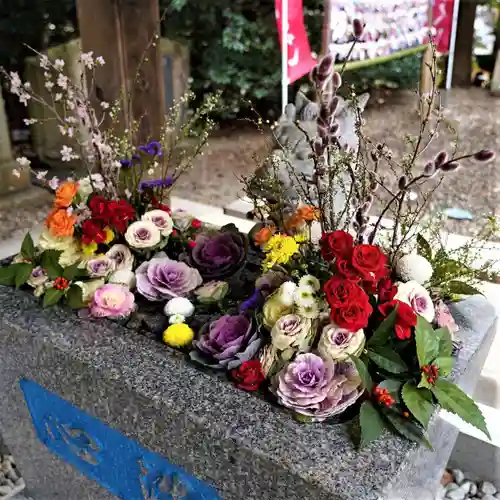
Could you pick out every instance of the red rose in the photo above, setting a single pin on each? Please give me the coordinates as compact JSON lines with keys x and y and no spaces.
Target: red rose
{"x":337,"y":244}
{"x":249,"y":375}
{"x":345,"y":269}
{"x":92,"y":231}
{"x":99,"y":208}
{"x":387,"y":290}
{"x":160,"y":206}
{"x":406,"y":318}
{"x":120,"y":214}
{"x":340,"y":292}
{"x":196,"y":224}
{"x":353,"y":316}
{"x":369,"y":261}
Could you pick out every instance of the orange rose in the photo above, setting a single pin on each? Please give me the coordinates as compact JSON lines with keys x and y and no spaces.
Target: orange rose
{"x":65,"y":194}
{"x":293,"y":222}
{"x":308,"y":213}
{"x":60,"y":223}
{"x":262,"y":236}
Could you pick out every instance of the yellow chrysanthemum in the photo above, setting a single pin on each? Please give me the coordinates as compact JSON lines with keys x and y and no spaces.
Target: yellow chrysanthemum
{"x":178,"y":335}
{"x":279,"y":249}
{"x":110,"y":235}
{"x":89,"y":249}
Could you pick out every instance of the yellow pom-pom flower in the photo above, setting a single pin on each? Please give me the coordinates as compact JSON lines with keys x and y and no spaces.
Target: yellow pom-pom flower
{"x":110,"y":235}
{"x":89,"y":249}
{"x":178,"y":335}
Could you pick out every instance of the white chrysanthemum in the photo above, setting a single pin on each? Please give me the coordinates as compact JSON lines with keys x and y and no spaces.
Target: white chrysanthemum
{"x":179,"y":306}
{"x":310,"y":280}
{"x":304,"y":296}
{"x":286,"y":293}
{"x":176,"y":319}
{"x":413,"y":267}
{"x":311,"y":312}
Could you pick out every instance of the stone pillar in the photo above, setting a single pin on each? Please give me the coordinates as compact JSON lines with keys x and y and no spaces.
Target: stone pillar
{"x":121,"y":31}
{"x":8,"y":181}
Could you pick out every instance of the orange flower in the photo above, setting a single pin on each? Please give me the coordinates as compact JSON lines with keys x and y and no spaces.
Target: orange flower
{"x":308,"y":213}
{"x":293,"y":222}
{"x":65,"y":194}
{"x":262,"y":236}
{"x":60,"y":223}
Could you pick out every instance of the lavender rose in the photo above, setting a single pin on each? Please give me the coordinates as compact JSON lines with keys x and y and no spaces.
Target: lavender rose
{"x":161,"y":278}
{"x":316,"y":388}
{"x":226,"y":343}
{"x":293,"y":333}
{"x":339,"y":344}
{"x":417,"y":297}
{"x":218,"y":255}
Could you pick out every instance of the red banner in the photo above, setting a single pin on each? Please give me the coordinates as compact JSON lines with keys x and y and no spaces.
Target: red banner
{"x":442,"y":21}
{"x":300,"y":59}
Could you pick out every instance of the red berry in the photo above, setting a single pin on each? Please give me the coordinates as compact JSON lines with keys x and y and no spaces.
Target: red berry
{"x":191,"y":243}
{"x":196,"y":224}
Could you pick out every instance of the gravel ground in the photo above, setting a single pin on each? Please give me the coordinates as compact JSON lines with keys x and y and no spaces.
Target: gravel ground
{"x":456,"y":485}
{"x":236,"y":151}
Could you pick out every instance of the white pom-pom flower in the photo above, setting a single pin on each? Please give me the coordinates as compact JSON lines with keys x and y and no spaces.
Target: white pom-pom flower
{"x":179,"y":306}
{"x":414,"y":267}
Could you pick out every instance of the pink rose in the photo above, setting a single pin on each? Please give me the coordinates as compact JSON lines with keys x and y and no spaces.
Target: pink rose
{"x":444,"y":319}
{"x":112,"y":301}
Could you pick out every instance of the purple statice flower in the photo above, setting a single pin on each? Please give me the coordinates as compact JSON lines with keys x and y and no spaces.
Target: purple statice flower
{"x":152,"y":149}
{"x":253,"y":302}
{"x":127,"y":163}
{"x":166,"y":182}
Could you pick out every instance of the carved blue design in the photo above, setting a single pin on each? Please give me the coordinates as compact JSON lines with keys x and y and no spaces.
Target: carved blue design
{"x":116,"y":462}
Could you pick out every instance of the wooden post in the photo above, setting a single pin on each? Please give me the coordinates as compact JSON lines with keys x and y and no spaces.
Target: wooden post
{"x":122,"y":32}
{"x":425,"y":71}
{"x":462,"y":68}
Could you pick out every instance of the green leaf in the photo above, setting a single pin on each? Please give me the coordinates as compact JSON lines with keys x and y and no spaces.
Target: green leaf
{"x":52,"y":296}
{"x":387,"y":359}
{"x":28,"y":250}
{"x":50,"y":263}
{"x":363,"y":372}
{"x":383,"y":333}
{"x":423,"y":247}
{"x":303,"y":419}
{"x":453,"y":399}
{"x":461,"y":288}
{"x":393,"y":386}
{"x":371,"y":422}
{"x":419,"y":402}
{"x":7,"y":275}
{"x":445,"y":342}
{"x":427,"y":342}
{"x":71,"y":272}
{"x":408,"y":429}
{"x":23,"y":272}
{"x":445,"y":365}
{"x":74,"y":297}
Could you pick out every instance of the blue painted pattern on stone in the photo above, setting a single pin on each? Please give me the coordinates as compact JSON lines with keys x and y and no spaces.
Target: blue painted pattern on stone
{"x":103,"y":454}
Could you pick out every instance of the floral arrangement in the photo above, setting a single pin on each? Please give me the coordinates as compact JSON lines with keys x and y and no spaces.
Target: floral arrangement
{"x":316,"y":309}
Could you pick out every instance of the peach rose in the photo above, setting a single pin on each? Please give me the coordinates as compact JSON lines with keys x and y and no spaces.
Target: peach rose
{"x":65,"y":194}
{"x":60,"y":223}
